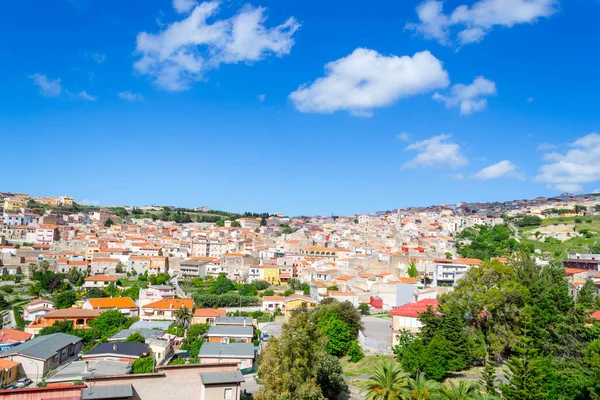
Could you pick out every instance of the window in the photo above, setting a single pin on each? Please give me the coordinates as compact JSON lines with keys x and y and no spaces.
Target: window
{"x":228,"y":394}
{"x":79,"y":321}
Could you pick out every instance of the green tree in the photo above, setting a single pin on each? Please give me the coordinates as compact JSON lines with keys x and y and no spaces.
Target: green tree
{"x":183,"y":318}
{"x":338,"y":333}
{"x":387,"y":382}
{"x":95,"y":293}
{"x":288,"y":292}
{"x":330,"y":377}
{"x":404,"y":339}
{"x":463,"y":391}
{"x":110,"y":322}
{"x":144,"y":365}
{"x":421,"y":388}
{"x":235,"y":224}
{"x":525,"y":374}
{"x":196,"y":330}
{"x":412,"y":270}
{"x":119,"y":268}
{"x":448,"y":255}
{"x":136,"y":337}
{"x":355,"y":352}
{"x":269,"y":292}
{"x":222,"y":285}
{"x":289,"y":365}
{"x":109,"y":222}
{"x":58,"y":327}
{"x":112,"y":290}
{"x":132,"y":292}
{"x":261,"y":285}
{"x":247,"y":289}
{"x":66,"y":299}
{"x":586,"y":295}
{"x":487,"y":379}
{"x":364,"y":308}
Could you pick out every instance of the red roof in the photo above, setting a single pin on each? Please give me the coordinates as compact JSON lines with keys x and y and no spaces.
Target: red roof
{"x":596,"y":315}
{"x":414,"y":309}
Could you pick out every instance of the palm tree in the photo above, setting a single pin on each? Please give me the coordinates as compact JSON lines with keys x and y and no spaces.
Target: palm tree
{"x":388,"y":382}
{"x":484,"y":396}
{"x":421,"y":388}
{"x":183,"y":318}
{"x":465,"y":390}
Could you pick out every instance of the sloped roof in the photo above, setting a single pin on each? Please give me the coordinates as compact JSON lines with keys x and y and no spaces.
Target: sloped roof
{"x":43,"y":347}
{"x":414,"y":309}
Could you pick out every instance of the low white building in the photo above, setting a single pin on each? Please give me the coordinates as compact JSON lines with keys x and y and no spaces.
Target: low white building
{"x":37,"y":308}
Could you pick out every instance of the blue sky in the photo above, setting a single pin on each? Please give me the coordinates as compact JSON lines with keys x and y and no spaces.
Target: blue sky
{"x":300,"y":107}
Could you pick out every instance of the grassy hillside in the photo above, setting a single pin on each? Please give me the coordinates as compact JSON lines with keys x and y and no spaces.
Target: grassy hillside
{"x":559,"y":236}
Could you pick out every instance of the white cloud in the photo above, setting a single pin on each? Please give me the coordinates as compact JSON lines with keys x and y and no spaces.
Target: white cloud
{"x":130,"y":96}
{"x":503,"y":169}
{"x":469,"y":97}
{"x":436,"y":152}
{"x":365,"y":80}
{"x":82,"y":95}
{"x":99,"y":58}
{"x":184,"y":6}
{"x":262,"y":97}
{"x":182,"y":52}
{"x":546,"y":147}
{"x":473,"y":23}
{"x":88,"y":202}
{"x":459,"y":177}
{"x":404,"y":136}
{"x":48,"y":88}
{"x":569,"y":171}
{"x":530,"y":100}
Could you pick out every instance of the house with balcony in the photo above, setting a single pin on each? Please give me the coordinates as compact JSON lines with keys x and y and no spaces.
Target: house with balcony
{"x":165,"y":309}
{"x":37,"y":308}
{"x":125,"y":305}
{"x":99,"y":281}
{"x":79,"y":317}
{"x":207,"y":315}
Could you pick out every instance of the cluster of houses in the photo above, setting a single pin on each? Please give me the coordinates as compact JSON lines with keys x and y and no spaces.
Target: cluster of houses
{"x":59,"y":358}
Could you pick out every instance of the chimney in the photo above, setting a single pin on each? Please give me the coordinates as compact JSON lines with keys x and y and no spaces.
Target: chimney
{"x":86,"y":370}
{"x":115,"y":347}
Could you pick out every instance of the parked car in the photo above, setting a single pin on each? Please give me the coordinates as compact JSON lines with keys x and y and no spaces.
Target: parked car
{"x":11,"y":387}
{"x":265,"y":337}
{"x":23,"y":382}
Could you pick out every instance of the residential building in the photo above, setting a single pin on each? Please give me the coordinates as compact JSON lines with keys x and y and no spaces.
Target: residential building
{"x":8,"y":372}
{"x":78,"y":316}
{"x":44,"y":353}
{"x":164,"y":309}
{"x":298,"y":302}
{"x":406,"y":317}
{"x":99,"y":281}
{"x":126,"y":352}
{"x":221,"y":385}
{"x":233,"y":321}
{"x":272,"y":303}
{"x":242,"y":353}
{"x":37,"y":308}
{"x":124,"y":304}
{"x":207,"y":315}
{"x":226,"y":334}
{"x":450,"y":271}
{"x":194,"y":268}
{"x":12,"y":337}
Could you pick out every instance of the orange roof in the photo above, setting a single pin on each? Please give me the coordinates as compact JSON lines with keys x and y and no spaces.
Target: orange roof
{"x":166,"y":304}
{"x":40,"y":300}
{"x":7,"y":364}
{"x":273,"y":298}
{"x":345,"y":278}
{"x":101,"y":278}
{"x":415,"y":308}
{"x":115,"y":302}
{"x":8,"y":335}
{"x":209,"y":312}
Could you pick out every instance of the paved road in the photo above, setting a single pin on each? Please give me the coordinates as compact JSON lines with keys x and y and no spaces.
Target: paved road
{"x":272,"y":328}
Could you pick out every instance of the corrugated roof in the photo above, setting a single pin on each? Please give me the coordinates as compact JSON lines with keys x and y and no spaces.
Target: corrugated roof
{"x":224,"y":330}
{"x":43,"y":347}
{"x":227,"y":350}
{"x":107,"y":392}
{"x":215,"y":378}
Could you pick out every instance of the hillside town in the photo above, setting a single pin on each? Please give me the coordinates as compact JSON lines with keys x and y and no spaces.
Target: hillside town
{"x":143,"y":284}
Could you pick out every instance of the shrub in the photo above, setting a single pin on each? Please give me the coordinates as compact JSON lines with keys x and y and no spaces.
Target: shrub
{"x":144,"y":365}
{"x":355,"y":352}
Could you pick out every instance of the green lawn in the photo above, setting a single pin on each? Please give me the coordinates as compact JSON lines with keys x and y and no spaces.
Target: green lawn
{"x":363,"y":367}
